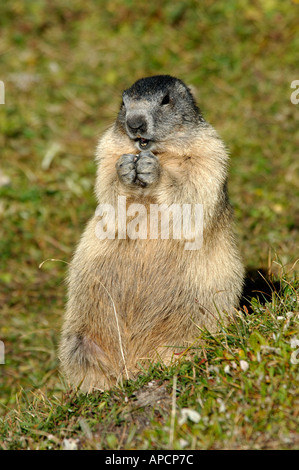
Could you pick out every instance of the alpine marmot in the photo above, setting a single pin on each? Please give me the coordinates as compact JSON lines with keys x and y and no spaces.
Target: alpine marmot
{"x":139,"y":286}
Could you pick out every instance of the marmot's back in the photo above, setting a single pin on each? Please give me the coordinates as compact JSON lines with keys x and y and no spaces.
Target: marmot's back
{"x":151,"y":264}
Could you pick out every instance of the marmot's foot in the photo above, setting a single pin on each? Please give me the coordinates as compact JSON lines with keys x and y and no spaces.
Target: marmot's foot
{"x":147,"y":168}
{"x":142,"y":169}
{"x":126,"y":168}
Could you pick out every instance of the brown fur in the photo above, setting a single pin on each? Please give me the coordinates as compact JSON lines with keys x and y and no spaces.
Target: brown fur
{"x":133,"y":300}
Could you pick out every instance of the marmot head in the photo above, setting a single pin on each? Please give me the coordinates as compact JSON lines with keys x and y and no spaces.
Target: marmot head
{"x":154,"y":109}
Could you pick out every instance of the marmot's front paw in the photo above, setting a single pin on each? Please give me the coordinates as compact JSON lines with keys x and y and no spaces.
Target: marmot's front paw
{"x":142,"y":169}
{"x":126,"y":168}
{"x":147,"y":168}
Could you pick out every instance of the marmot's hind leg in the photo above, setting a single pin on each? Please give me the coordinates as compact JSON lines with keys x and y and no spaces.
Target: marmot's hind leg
{"x":86,"y":365}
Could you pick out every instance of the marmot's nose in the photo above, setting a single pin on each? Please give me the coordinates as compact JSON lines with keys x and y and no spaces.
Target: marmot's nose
{"x":137,"y":123}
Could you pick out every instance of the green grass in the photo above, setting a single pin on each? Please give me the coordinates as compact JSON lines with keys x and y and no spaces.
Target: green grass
{"x":243,"y":386}
{"x":64,"y":68}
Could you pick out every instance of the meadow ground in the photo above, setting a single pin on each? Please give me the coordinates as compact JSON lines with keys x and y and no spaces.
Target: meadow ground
{"x":64,"y":68}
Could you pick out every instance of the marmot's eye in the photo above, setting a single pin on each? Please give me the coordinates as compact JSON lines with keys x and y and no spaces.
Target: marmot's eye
{"x":165,"y":99}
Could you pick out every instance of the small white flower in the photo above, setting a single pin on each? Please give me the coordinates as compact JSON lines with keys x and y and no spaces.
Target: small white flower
{"x":227,"y":369}
{"x":222,"y":407}
{"x":187,"y":413}
{"x":295,"y":357}
{"x":244,"y":365}
{"x":70,"y":444}
{"x":183,"y":443}
{"x":258,"y":356}
{"x":294,"y":342}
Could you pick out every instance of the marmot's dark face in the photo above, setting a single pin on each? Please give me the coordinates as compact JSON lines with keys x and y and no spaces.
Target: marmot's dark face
{"x":156,"y":108}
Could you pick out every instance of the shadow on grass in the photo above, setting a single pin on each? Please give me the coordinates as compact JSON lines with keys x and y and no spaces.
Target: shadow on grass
{"x":259,"y":285}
